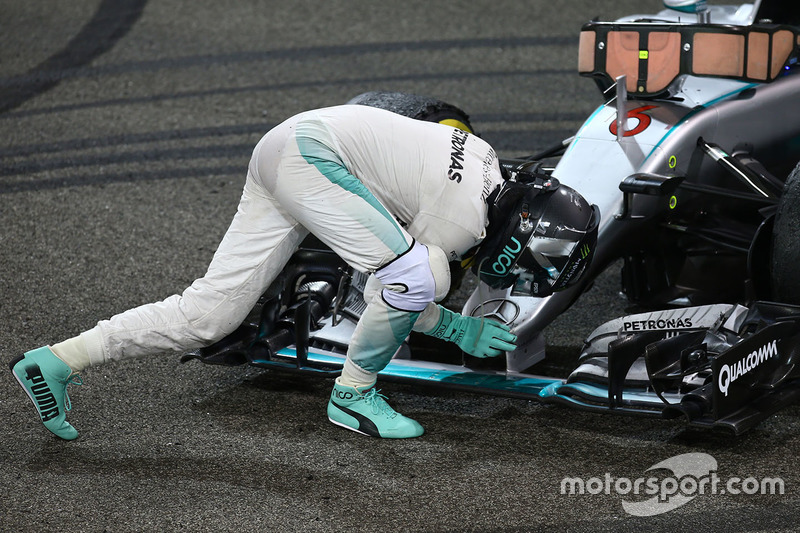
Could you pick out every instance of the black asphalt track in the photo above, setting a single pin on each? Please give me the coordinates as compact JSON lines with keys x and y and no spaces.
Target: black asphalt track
{"x":125,"y":131}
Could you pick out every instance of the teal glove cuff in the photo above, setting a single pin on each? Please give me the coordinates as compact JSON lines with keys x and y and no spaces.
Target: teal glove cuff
{"x":476,"y":336}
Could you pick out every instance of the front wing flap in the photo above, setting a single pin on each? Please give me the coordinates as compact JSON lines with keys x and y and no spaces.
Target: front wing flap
{"x":719,"y":366}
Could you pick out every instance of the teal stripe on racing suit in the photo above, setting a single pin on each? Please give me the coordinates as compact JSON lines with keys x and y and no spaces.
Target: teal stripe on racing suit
{"x":382,"y":328}
{"x":379,"y":333}
{"x":331,"y":166}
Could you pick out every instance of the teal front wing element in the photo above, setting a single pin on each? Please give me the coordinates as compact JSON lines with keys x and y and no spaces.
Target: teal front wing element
{"x":541,"y":388}
{"x":406,"y":370}
{"x":594,"y":397}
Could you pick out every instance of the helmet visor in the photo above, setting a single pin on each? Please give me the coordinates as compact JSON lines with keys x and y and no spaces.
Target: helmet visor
{"x":550,"y":264}
{"x":551,"y":255}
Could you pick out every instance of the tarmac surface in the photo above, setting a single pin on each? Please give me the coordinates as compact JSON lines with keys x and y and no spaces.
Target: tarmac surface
{"x":125,"y":131}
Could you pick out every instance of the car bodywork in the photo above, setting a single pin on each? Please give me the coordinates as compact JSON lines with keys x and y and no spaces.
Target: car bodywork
{"x":687,"y":170}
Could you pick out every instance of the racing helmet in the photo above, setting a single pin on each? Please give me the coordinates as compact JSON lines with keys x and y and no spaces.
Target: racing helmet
{"x":541,"y":238}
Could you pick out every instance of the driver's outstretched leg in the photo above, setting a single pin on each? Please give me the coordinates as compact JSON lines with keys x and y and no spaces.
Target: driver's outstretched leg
{"x":257,"y":245}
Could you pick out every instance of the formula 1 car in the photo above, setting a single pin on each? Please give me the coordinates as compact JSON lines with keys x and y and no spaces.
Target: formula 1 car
{"x":691,"y":160}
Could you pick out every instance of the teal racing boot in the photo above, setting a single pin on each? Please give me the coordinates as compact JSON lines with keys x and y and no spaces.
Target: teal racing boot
{"x":45,"y":378}
{"x":365,"y":411}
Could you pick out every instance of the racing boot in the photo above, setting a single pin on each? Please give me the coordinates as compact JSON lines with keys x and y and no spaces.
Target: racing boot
{"x":45,"y":378}
{"x":365,"y":411}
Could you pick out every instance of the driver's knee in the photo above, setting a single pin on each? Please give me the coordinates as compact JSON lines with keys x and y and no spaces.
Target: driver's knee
{"x":440,"y":268}
{"x":416,"y":278}
{"x":208,"y":317}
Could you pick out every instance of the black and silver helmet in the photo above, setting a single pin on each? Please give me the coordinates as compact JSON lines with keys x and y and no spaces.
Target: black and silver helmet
{"x":541,"y":237}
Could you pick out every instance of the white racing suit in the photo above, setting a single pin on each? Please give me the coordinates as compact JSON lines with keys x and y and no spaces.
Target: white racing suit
{"x":387,"y":193}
